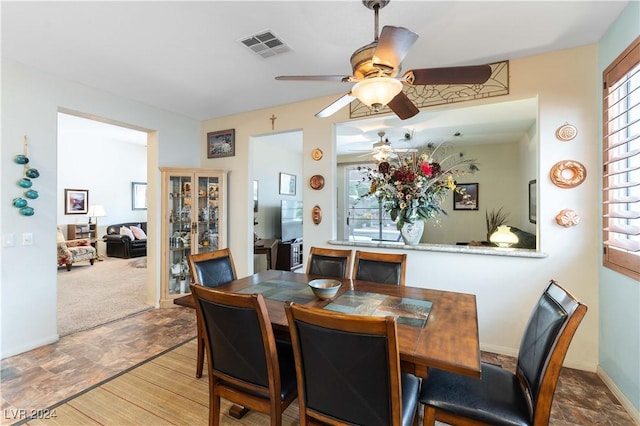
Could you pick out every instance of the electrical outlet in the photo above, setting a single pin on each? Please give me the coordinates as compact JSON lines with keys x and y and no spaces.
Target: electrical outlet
{"x":27,"y":239}
{"x":8,"y":240}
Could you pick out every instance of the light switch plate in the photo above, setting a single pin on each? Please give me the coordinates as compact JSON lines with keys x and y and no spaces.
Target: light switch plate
{"x":27,"y":239}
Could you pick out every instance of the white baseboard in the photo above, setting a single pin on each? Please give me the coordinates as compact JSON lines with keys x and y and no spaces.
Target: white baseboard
{"x":30,"y":346}
{"x":501,"y":350}
{"x":628,"y":406}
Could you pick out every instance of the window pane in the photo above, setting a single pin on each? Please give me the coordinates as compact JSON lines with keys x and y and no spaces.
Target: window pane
{"x":621,"y":183}
{"x":367,"y":220}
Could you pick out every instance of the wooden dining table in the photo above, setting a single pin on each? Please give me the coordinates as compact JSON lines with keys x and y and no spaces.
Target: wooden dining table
{"x":448,"y":340}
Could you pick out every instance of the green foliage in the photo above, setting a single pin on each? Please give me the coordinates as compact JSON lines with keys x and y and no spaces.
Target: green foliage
{"x":495,"y":219}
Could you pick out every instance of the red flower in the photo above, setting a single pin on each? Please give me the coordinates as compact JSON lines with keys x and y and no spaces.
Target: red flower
{"x":426,"y":169}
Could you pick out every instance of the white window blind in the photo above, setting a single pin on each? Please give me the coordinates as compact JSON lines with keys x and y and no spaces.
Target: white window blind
{"x":621,"y":163}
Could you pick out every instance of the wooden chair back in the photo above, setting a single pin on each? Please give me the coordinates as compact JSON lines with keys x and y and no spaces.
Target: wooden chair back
{"x":544,"y":346}
{"x":385,"y":268}
{"x":361,"y":388}
{"x":213,"y":268}
{"x":243,"y":360}
{"x":209,"y":269}
{"x":324,"y":262}
{"x":499,"y":396}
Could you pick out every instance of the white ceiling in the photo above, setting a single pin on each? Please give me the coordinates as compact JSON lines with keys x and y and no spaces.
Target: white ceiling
{"x":185,"y":56}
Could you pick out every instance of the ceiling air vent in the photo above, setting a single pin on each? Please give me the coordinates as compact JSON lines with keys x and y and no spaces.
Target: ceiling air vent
{"x":265,"y":44}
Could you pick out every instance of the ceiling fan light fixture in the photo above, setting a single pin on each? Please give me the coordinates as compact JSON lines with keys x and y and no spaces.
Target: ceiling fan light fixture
{"x":376,"y":92}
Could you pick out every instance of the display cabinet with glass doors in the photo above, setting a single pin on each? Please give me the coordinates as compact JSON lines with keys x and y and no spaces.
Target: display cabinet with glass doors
{"x":193,"y":221}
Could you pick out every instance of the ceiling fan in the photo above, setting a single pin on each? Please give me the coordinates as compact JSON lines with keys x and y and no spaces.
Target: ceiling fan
{"x":377,"y":65}
{"x":383,"y":150}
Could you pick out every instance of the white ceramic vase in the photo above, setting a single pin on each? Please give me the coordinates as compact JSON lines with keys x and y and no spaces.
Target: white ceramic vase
{"x":412,"y":232}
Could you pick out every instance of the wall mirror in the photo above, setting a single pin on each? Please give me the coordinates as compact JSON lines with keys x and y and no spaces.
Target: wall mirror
{"x":501,"y":136}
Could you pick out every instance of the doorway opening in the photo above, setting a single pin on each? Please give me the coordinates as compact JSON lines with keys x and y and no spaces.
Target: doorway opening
{"x":102,"y":161}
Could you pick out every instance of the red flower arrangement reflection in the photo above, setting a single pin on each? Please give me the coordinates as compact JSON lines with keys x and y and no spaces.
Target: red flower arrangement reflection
{"x":413,"y":187}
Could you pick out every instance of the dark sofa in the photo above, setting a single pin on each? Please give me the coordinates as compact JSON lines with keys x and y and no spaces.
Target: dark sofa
{"x":121,"y":245}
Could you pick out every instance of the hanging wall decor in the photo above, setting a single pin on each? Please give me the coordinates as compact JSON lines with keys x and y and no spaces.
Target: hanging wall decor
{"x":567,"y":218}
{"x":568,"y":173}
{"x":25,"y":182}
{"x":316,"y":215}
{"x":316,"y":182}
{"x":566,"y":132}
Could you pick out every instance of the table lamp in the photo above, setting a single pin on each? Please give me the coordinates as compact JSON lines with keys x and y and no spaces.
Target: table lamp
{"x":503,"y":237}
{"x":96,"y":210}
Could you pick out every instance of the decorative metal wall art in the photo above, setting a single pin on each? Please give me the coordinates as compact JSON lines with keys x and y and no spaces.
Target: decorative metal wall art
{"x":316,"y":182}
{"x":25,"y":182}
{"x":568,"y":173}
{"x":317,"y":154}
{"x":316,"y":215}
{"x":567,"y":218}
{"x":431,"y":95}
{"x":566,"y":132}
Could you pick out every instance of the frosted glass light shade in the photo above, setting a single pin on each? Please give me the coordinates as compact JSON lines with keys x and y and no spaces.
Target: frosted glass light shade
{"x":503,"y":237}
{"x":376,"y":92}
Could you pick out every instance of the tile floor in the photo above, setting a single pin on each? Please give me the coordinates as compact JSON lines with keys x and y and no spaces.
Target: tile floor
{"x":39,"y":378}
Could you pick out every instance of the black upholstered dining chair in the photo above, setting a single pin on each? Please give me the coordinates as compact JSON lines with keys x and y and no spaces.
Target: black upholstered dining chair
{"x":385,"y":268}
{"x":500,"y":397}
{"x":209,"y":269}
{"x":348,"y":369}
{"x":246,"y":364}
{"x":324,"y":262}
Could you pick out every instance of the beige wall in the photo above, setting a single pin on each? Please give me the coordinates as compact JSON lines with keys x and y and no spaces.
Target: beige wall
{"x":506,"y":288}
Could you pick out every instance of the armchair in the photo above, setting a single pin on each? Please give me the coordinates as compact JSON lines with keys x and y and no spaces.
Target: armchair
{"x":73,"y":251}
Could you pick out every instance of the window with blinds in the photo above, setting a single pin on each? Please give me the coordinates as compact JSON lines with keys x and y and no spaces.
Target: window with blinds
{"x":621,"y":163}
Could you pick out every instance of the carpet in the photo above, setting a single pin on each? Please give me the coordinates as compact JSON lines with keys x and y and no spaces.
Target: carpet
{"x":140,"y":262}
{"x":91,"y":295}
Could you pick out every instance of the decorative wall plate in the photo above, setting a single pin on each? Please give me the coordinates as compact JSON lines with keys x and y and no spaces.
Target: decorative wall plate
{"x":567,"y":218}
{"x":317,"y":182}
{"x":568,"y":174}
{"x":316,"y":154}
{"x":316,"y":215}
{"x":566,"y":132}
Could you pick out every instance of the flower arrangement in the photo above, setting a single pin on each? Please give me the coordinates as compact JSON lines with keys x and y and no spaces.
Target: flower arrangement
{"x":412,"y":187}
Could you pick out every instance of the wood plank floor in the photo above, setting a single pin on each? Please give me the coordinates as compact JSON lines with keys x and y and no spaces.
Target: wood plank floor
{"x":164,"y":390}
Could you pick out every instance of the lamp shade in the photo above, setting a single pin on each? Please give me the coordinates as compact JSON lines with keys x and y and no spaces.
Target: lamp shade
{"x":96,"y":210}
{"x":376,"y":92}
{"x":503,"y":237}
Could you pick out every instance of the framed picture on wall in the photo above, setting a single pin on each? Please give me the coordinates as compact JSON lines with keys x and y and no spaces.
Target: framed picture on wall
{"x":255,"y":195}
{"x":466,"y":196}
{"x":287,"y":184}
{"x":138,"y":195}
{"x":76,"y":201}
{"x":221,"y":144}
{"x":533,"y":201}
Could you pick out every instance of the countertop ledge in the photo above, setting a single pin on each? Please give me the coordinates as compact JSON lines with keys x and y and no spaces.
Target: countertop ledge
{"x":490,"y":251}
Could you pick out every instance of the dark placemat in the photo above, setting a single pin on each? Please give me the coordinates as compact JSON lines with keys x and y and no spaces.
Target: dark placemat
{"x":282,"y":291}
{"x":412,"y":312}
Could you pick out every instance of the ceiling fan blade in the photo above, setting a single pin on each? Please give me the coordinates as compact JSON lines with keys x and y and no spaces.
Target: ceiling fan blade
{"x":341,"y":78}
{"x":474,"y":74}
{"x":393,"y":45}
{"x":336,"y":105}
{"x":403,"y":106}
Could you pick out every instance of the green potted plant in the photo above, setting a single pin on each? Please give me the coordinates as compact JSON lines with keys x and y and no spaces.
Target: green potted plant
{"x":495,"y":218}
